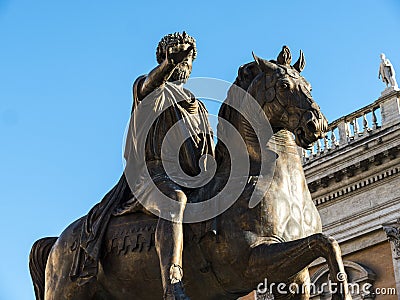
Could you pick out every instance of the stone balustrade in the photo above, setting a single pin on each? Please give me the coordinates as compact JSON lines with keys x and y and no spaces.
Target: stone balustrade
{"x":356,"y":125}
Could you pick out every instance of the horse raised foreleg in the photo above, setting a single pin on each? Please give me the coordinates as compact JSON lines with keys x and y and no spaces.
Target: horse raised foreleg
{"x":281,"y":261}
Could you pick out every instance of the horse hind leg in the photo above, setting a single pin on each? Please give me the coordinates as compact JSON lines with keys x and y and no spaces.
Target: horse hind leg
{"x":59,"y":285}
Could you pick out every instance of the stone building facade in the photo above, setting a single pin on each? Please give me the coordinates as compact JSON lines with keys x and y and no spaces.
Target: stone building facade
{"x":354,"y":178}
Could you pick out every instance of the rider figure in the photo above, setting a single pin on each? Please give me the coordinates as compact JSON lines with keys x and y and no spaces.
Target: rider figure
{"x":164,"y":84}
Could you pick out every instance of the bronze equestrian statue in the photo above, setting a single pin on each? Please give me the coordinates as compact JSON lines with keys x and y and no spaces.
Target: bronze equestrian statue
{"x":120,"y":251}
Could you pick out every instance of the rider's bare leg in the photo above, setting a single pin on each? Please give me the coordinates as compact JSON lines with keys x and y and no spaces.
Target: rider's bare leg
{"x":169,"y":245}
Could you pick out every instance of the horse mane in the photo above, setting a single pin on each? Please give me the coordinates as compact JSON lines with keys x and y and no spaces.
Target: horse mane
{"x":246,"y":75}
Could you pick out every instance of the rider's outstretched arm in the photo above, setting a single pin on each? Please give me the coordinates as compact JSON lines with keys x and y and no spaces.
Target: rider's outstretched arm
{"x":156,"y":78}
{"x":175,"y":54}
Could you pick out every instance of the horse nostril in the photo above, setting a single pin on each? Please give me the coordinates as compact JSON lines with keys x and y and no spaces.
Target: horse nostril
{"x":311,"y":126}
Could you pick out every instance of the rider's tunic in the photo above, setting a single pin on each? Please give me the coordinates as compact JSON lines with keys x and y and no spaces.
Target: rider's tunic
{"x":149,"y":141}
{"x":168,"y":135}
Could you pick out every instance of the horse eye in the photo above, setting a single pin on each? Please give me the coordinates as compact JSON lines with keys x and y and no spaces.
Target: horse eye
{"x":285,"y":85}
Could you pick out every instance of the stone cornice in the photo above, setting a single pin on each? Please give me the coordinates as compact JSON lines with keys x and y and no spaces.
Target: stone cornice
{"x":364,"y":157}
{"x":350,"y":171}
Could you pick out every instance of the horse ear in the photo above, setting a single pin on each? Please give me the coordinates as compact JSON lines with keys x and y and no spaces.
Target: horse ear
{"x":285,"y":56}
{"x":265,"y":65}
{"x":300,"y":63}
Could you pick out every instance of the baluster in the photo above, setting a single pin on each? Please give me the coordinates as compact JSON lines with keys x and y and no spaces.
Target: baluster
{"x":365,"y":123}
{"x":348,"y":131}
{"x":326,"y":143}
{"x":374,"y":119}
{"x":305,"y":155}
{"x":313,"y":149}
{"x":355,"y":127}
{"x":334,"y":140}
{"x":318,"y":146}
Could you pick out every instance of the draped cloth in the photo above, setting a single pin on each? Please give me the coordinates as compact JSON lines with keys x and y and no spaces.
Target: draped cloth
{"x":150,"y":123}
{"x":85,"y":262}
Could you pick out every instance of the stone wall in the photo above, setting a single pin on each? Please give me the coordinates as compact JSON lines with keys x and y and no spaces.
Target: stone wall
{"x":354,"y":178}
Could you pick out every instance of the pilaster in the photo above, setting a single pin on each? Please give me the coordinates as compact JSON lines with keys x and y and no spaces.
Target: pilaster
{"x":393,"y":234}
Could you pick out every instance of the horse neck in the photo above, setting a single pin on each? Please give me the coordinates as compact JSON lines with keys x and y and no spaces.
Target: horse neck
{"x":251,"y":110}
{"x":248,"y":136}
{"x":285,"y":172}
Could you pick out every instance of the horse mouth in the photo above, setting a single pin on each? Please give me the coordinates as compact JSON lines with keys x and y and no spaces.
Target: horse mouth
{"x":301,"y":139}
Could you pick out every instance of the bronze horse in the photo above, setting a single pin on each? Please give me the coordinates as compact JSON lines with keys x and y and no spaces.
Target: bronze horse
{"x":275,"y":240}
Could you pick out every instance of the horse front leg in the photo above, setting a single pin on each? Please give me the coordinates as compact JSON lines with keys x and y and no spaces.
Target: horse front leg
{"x":279,"y":262}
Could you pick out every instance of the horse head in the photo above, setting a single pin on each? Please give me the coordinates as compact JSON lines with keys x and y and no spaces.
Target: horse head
{"x":285,"y":97}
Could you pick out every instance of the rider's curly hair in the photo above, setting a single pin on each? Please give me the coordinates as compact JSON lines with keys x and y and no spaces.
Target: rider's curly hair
{"x":172,"y":38}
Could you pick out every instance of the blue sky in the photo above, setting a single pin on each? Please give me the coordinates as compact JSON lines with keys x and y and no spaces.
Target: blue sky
{"x":66,"y":71}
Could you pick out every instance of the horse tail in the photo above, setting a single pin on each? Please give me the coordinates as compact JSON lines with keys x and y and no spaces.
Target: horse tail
{"x":37,"y":263}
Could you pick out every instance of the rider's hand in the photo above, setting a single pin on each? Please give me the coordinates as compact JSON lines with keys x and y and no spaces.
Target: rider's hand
{"x":177,"y":53}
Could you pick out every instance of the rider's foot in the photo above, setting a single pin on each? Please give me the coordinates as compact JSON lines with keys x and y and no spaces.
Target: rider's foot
{"x":175,"y":291}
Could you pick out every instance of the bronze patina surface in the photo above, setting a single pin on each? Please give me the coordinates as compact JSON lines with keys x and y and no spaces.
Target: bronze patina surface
{"x":122,"y":251}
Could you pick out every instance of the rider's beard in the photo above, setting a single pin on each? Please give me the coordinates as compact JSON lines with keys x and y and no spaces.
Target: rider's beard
{"x":180,"y":74}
